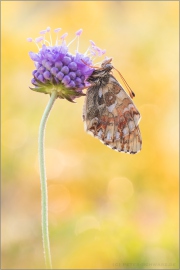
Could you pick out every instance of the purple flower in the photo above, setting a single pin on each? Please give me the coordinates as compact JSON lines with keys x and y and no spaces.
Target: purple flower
{"x":59,"y":76}
{"x":57,"y":67}
{"x":65,"y":70}
{"x":58,"y":64}
{"x":72,"y":75}
{"x":73,"y":66}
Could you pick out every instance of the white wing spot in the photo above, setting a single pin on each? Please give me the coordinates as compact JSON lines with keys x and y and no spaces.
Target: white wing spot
{"x":100,"y":92}
{"x":125,"y":131}
{"x":112,"y":107}
{"x":136,"y":119}
{"x":131,"y":125}
{"x":121,"y":95}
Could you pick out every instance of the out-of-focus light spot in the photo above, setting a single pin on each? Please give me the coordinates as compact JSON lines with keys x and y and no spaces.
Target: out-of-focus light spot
{"x":10,"y":227}
{"x":162,"y":258}
{"x":14,"y":133}
{"x":59,"y":198}
{"x":63,"y":162}
{"x":86,"y":223}
{"x":54,"y":161}
{"x":150,"y":217}
{"x":120,"y":189}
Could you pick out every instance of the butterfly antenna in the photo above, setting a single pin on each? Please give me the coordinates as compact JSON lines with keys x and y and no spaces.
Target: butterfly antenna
{"x":88,"y":65}
{"x":131,"y":93}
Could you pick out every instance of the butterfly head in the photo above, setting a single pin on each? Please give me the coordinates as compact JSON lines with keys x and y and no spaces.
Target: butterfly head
{"x":107,"y":64}
{"x":101,"y":74}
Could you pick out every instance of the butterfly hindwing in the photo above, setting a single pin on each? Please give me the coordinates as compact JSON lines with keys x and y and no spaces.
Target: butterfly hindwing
{"x":111,"y":116}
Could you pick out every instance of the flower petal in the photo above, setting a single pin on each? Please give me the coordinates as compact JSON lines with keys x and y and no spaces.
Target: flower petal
{"x":34,"y":56}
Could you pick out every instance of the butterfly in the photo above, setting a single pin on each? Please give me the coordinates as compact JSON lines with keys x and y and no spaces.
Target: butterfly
{"x":109,"y":113}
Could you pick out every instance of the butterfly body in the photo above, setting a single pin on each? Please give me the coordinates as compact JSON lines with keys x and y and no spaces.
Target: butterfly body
{"x":109,"y":113}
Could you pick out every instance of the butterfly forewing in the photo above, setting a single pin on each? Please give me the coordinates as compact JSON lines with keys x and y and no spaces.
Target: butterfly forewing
{"x":110,"y":114}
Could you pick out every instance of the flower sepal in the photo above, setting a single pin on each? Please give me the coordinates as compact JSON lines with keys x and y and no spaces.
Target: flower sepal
{"x":62,"y":92}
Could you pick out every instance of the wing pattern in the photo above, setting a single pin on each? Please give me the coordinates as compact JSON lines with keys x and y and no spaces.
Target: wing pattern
{"x":110,"y":115}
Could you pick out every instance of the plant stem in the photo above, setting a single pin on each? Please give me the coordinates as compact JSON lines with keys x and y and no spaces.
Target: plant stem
{"x":43,"y":179}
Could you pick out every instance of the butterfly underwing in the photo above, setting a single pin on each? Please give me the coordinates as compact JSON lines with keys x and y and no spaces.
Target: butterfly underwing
{"x":109,"y":113}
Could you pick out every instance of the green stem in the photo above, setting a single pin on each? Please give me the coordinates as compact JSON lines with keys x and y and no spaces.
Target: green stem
{"x":44,"y":194}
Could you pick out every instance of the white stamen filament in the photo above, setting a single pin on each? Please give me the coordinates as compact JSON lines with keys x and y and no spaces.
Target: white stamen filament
{"x":32,"y":40}
{"x":78,"y":33}
{"x":37,"y":45}
{"x":63,"y":38}
{"x":87,"y":55}
{"x":46,"y":41}
{"x":87,"y":51}
{"x":92,"y":51}
{"x":93,"y":58}
{"x":71,"y":41}
{"x":57,"y":36}
{"x":43,"y":33}
{"x":48,"y":29}
{"x":77,"y":49}
{"x":39,"y":40}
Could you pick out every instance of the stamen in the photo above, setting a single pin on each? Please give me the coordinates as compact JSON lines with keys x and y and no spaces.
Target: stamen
{"x":77,"y":49}
{"x":43,"y":32}
{"x":48,"y":29}
{"x":71,"y":41}
{"x":63,"y":38}
{"x":103,"y":52}
{"x":93,"y":53}
{"x":29,"y":39}
{"x":78,"y":33}
{"x":94,"y":49}
{"x":87,"y":50}
{"x":38,"y":39}
{"x":99,"y":51}
{"x":57,"y":30}
{"x":89,"y":55}
{"x":93,"y":58}
{"x":92,"y":43}
{"x":98,"y":63}
{"x":45,"y":41}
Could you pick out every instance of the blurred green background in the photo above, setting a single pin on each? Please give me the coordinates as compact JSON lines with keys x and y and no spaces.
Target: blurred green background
{"x":106,"y":209}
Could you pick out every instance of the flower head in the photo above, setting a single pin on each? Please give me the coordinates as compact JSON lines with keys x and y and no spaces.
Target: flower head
{"x":58,"y":69}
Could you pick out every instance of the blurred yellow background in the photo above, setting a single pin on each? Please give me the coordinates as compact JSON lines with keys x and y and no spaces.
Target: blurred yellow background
{"x":106,"y":209}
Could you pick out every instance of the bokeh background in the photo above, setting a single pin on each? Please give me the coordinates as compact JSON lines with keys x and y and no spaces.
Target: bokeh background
{"x":106,"y":209}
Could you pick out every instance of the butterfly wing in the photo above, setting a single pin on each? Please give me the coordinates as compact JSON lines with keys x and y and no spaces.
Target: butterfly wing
{"x":111,"y":116}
